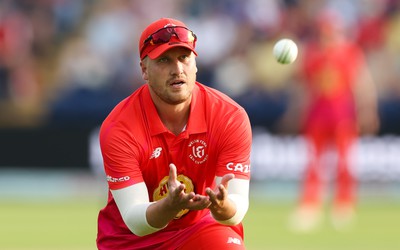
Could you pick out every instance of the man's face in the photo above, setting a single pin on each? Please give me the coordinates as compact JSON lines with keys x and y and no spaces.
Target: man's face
{"x":171,"y":76}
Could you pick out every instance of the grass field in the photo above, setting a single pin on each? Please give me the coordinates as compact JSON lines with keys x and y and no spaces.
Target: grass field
{"x":377,"y":228}
{"x":71,"y":224}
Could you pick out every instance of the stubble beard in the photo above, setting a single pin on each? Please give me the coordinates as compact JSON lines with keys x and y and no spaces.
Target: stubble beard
{"x":170,"y":97}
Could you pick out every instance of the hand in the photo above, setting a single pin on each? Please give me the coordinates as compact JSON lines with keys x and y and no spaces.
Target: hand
{"x":162,"y":212}
{"x":220,"y":206}
{"x":177,"y":197}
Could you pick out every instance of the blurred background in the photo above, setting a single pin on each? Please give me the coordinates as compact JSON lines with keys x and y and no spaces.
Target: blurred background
{"x":64,"y":64}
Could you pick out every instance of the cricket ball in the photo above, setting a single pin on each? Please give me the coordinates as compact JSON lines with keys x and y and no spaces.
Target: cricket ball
{"x":285,"y":51}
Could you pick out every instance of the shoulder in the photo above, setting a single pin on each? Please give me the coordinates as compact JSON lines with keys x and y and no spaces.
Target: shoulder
{"x":126,"y":106}
{"x":122,"y":115}
{"x":221,"y":111}
{"x":218,"y":100}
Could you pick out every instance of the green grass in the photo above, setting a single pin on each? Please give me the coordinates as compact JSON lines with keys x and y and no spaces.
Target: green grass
{"x":377,"y":227}
{"x":48,"y":225}
{"x":72,"y":225}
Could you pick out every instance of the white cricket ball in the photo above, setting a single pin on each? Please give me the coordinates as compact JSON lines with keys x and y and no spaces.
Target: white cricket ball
{"x":285,"y":51}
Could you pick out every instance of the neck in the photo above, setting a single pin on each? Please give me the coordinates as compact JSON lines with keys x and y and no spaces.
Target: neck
{"x":174,"y":117}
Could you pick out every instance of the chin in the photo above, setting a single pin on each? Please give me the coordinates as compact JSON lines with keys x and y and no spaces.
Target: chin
{"x":178,"y":99}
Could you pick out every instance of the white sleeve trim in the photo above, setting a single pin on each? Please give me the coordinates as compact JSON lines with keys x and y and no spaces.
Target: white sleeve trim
{"x":238,"y":193}
{"x":132,"y":203}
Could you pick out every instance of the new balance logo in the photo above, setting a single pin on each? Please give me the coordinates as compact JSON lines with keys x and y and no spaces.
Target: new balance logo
{"x":156,"y":153}
{"x":232,"y":240}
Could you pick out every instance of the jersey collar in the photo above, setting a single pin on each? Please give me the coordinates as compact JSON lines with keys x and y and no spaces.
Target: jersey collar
{"x":197,"y":117}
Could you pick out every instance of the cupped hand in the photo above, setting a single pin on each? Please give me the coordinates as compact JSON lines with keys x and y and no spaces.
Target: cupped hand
{"x":178,"y":199}
{"x":219,"y":196}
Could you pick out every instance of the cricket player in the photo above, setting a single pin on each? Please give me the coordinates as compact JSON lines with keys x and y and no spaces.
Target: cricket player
{"x":176,"y":155}
{"x":340,"y":105}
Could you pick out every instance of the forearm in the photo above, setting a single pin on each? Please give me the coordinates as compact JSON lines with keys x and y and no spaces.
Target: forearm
{"x":159,"y":213}
{"x":135,"y":213}
{"x":143,"y":217}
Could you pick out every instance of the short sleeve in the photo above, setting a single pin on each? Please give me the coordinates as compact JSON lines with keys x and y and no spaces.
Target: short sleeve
{"x":120,"y":156}
{"x":235,"y":147}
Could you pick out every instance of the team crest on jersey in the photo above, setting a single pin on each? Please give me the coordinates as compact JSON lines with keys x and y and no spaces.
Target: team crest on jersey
{"x":197,"y":151}
{"x":162,"y":190}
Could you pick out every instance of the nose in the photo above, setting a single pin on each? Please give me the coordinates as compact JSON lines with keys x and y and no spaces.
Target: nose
{"x":177,"y":68}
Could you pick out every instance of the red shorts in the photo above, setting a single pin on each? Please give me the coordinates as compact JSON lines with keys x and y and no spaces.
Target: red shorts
{"x":214,"y":237}
{"x":206,"y":234}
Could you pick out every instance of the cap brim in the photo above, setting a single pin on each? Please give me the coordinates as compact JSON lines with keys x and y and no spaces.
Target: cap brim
{"x":166,"y":46}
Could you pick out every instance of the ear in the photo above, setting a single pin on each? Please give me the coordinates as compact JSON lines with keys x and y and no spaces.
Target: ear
{"x":143,"y":66}
{"x":195,"y":63}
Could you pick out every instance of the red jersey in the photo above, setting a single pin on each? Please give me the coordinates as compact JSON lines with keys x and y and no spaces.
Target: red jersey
{"x":330,"y":74}
{"x":137,"y":147}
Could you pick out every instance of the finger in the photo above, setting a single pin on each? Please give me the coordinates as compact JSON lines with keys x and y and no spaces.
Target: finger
{"x":180,"y":198}
{"x":172,"y":171}
{"x":199,"y":197}
{"x":223,"y":192}
{"x":190,"y":196}
{"x":179,"y":189}
{"x":196,"y":198}
{"x":199,"y":202}
{"x":226,"y":178}
{"x":212,"y":196}
{"x":172,"y":178}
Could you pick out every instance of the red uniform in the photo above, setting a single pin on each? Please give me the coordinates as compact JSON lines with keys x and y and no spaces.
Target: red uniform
{"x":330,"y":74}
{"x":137,"y":147}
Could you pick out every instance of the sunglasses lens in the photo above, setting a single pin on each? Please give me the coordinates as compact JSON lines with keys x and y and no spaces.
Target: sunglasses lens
{"x":161,"y":36}
{"x":184,"y":35}
{"x":164,"y":35}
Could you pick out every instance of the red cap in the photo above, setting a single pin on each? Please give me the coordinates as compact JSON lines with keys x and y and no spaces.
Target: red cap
{"x":154,"y":51}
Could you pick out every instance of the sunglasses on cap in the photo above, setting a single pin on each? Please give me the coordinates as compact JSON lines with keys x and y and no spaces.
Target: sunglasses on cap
{"x":164,"y":35}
